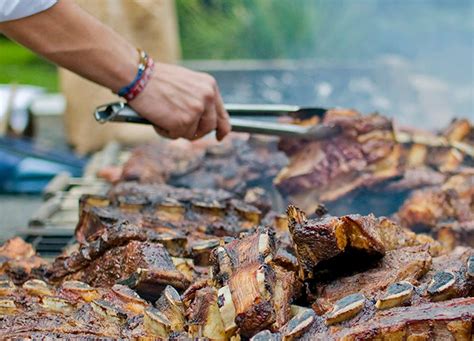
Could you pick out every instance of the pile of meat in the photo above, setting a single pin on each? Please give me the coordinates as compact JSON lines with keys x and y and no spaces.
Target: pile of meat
{"x":163,"y":262}
{"x":192,"y":245}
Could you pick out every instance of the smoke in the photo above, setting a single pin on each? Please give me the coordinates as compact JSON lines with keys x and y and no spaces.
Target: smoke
{"x":410,"y":59}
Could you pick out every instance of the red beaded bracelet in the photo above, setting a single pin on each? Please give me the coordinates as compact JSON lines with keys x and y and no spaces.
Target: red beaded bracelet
{"x":145,"y":70}
{"x":140,"y":84}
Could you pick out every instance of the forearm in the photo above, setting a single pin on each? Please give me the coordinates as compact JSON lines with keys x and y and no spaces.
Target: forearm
{"x":73,"y":39}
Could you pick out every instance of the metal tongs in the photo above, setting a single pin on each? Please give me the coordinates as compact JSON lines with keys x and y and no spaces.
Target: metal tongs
{"x":247,"y":118}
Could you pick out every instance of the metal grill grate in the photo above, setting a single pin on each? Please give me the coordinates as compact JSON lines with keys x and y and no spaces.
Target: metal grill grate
{"x":49,"y":244}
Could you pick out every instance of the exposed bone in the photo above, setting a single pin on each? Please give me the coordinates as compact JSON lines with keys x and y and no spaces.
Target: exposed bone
{"x":37,"y":287}
{"x":170,"y":210}
{"x":248,"y":212}
{"x":156,"y":323}
{"x":213,"y":208}
{"x":133,"y":302}
{"x":6,"y":287}
{"x":345,"y":308}
{"x":131,"y":203}
{"x":298,"y":325}
{"x":108,"y":310}
{"x":56,"y":304}
{"x":470,"y":267}
{"x":83,"y":290}
{"x":227,"y":310}
{"x":185,"y":266}
{"x":171,"y":306}
{"x":396,"y":294}
{"x":442,"y":285}
{"x":7,"y":306}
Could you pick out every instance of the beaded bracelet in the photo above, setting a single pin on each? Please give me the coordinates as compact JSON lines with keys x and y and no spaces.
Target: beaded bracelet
{"x":145,"y":69}
{"x":140,"y":84}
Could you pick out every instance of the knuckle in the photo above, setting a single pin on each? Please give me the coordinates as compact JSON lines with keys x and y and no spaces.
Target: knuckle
{"x":212,"y":81}
{"x":197,"y":107}
{"x":186,"y":120}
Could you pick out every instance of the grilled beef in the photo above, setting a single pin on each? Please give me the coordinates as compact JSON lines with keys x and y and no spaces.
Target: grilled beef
{"x":18,"y":260}
{"x":428,"y":208}
{"x":253,"y":291}
{"x":322,"y":243}
{"x":404,"y":264}
{"x":121,"y":255}
{"x":323,"y":171}
{"x":72,"y":310}
{"x":164,"y":208}
{"x":157,"y":162}
{"x":447,"y":320}
{"x":234,"y":165}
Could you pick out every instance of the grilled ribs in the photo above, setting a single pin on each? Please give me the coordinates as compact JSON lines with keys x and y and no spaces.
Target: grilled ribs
{"x":254,"y":292}
{"x":165,"y":208}
{"x":331,"y":277}
{"x":323,"y":171}
{"x":429,"y":208}
{"x":121,"y":255}
{"x":328,"y":241}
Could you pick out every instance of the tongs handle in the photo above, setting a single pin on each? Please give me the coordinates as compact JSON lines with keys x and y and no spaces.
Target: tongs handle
{"x":121,"y":112}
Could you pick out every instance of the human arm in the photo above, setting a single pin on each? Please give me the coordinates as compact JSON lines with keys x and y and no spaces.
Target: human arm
{"x":180,"y":102}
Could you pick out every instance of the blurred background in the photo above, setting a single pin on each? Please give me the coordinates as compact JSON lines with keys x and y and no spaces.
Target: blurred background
{"x":412,"y":60}
{"x":428,"y":41}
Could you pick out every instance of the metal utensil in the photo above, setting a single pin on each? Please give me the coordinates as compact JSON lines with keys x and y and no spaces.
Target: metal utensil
{"x":240,"y":119}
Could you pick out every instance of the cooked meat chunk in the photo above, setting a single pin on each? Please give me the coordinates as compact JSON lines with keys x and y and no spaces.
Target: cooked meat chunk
{"x":123,"y":257}
{"x":404,"y":264}
{"x":165,"y":208}
{"x":319,"y":243}
{"x":321,"y":171}
{"x":456,"y":234}
{"x":453,"y":201}
{"x":18,"y":260}
{"x":254,"y":292}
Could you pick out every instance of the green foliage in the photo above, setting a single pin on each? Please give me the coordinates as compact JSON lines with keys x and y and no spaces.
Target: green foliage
{"x":427,"y":31}
{"x":21,"y":66}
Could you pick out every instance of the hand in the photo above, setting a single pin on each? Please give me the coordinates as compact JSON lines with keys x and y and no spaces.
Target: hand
{"x":182,"y":103}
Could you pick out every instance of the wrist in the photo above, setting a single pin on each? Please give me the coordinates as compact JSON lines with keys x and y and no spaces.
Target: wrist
{"x":144,"y":72}
{"x":125,"y":72}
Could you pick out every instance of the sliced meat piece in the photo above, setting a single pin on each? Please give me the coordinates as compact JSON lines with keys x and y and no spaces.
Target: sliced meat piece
{"x":405,"y":264}
{"x":364,"y":153}
{"x":330,"y":239}
{"x":428,"y":208}
{"x":144,"y":266}
{"x":448,"y":320}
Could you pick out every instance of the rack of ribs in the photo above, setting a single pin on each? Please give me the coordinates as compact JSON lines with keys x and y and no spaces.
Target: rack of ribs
{"x":371,"y":167}
{"x":429,"y":208}
{"x":323,"y":171}
{"x":76,"y":310}
{"x":167,"y":208}
{"x":124,"y":254}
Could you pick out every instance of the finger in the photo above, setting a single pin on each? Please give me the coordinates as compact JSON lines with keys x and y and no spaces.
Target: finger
{"x":164,"y":132}
{"x":208,"y":121}
{"x":223,"y":123}
{"x":190,"y":133}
